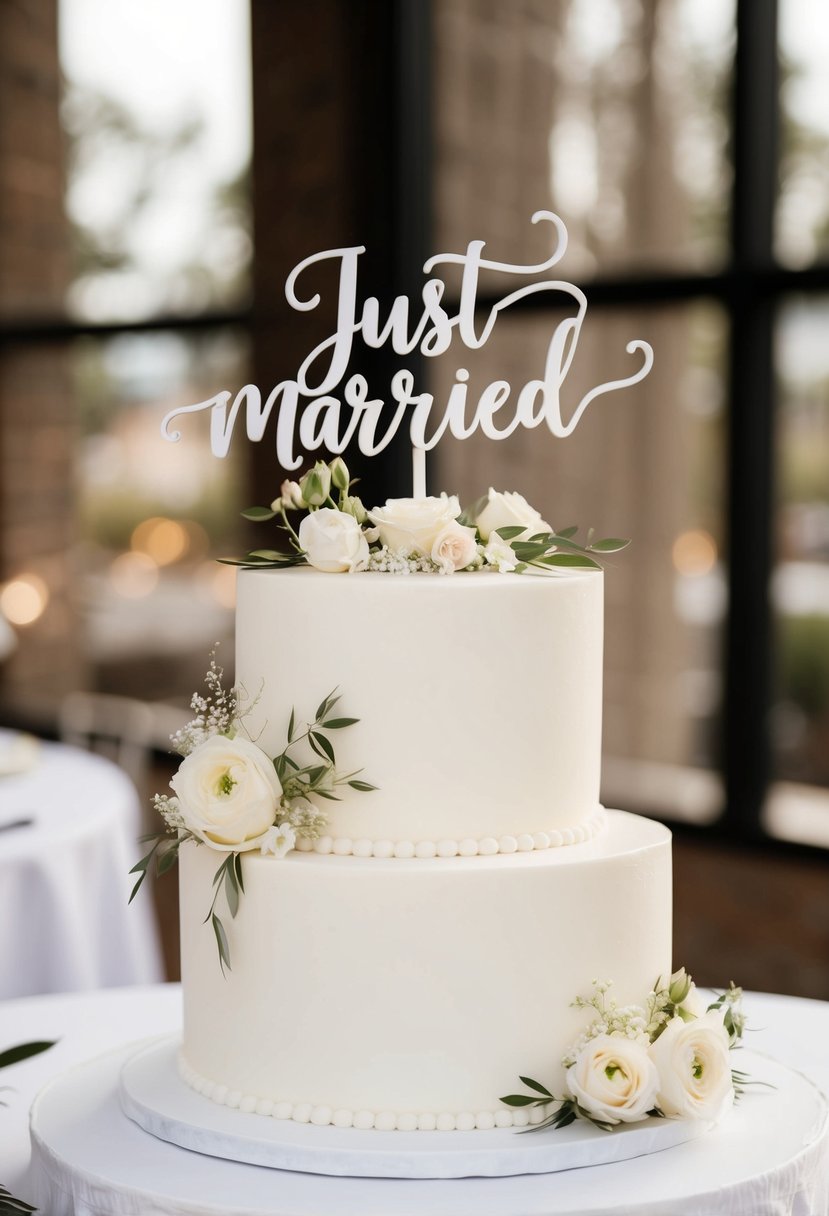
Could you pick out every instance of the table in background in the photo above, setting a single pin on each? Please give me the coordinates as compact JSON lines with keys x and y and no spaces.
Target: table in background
{"x":794,"y":1031}
{"x":64,"y":882}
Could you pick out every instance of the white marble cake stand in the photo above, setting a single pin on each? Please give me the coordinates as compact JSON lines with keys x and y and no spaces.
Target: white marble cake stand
{"x":89,"y":1159}
{"x":155,"y":1097}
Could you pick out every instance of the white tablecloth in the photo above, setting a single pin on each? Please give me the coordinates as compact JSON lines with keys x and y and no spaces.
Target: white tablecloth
{"x":794,"y":1031}
{"x":64,"y":883}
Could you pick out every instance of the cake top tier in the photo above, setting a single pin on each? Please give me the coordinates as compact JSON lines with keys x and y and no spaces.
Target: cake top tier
{"x":478,"y":699}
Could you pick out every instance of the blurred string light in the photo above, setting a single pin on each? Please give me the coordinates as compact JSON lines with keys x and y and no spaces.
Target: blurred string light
{"x":134,"y":575}
{"x":694,"y":552}
{"x":23,"y":599}
{"x":166,"y":541}
{"x":218,"y":583}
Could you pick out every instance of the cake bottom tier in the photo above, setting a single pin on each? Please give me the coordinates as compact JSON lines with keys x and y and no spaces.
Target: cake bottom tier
{"x":408,"y":993}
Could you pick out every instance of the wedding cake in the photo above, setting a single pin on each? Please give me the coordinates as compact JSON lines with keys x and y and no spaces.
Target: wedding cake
{"x":404,"y":968}
{"x":399,"y":892}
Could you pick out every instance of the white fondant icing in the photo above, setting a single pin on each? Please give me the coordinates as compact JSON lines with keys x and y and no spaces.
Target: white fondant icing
{"x":456,"y":940}
{"x":478,"y":697}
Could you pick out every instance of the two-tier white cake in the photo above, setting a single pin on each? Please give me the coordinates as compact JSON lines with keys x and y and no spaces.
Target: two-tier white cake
{"x":405,"y":968}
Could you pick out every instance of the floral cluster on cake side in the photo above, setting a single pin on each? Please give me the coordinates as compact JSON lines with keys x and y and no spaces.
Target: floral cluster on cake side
{"x":667,"y":1058}
{"x":232,"y":796}
{"x":501,"y":531}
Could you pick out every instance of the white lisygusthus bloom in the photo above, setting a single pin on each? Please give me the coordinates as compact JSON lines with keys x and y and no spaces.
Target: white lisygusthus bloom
{"x":614,"y":1079}
{"x":507,"y":509}
{"x":333,"y":541}
{"x":694,"y":1068}
{"x":499,"y":553}
{"x":412,"y":525}
{"x":277,"y":840}
{"x":227,"y":792}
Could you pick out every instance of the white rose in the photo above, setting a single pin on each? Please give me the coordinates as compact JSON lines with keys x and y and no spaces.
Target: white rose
{"x":509,"y":510}
{"x":411,"y":525}
{"x":614,"y":1079}
{"x":454,"y":547}
{"x":228,"y":792}
{"x":333,"y":541}
{"x":694,"y":1068}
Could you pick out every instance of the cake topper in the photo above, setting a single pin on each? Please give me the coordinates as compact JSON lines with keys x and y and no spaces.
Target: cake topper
{"x":309,"y":411}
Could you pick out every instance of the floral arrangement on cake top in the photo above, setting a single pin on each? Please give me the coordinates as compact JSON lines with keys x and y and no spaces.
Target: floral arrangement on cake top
{"x":667,"y":1058}
{"x":501,"y":532}
{"x":230,"y":795}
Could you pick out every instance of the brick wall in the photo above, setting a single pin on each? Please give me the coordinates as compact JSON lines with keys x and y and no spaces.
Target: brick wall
{"x":37,"y":431}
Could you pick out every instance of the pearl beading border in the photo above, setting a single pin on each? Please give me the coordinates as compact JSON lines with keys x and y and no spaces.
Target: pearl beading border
{"x":364,"y":1120}
{"x":486,"y":846}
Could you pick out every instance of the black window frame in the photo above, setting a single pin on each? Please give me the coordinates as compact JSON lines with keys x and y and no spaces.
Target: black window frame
{"x":749,"y":288}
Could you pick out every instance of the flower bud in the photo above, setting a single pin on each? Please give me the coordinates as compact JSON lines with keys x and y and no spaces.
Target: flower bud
{"x":316,"y":485}
{"x":339,"y":474}
{"x":353,"y":506}
{"x":679,"y":987}
{"x":290,"y":497}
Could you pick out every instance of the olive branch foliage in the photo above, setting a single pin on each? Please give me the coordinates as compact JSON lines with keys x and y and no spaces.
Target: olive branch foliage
{"x":301,"y":782}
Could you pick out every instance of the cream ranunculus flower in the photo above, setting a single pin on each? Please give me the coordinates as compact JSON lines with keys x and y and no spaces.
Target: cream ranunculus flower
{"x":694,"y":1068}
{"x":333,"y":541}
{"x":614,"y":1079}
{"x":454,"y":547}
{"x":228,"y":793}
{"x":412,"y":525}
{"x":505,"y":510}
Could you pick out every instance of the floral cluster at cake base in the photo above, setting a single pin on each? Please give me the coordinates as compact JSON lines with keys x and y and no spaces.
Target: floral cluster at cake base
{"x":667,"y":1058}
{"x":339,"y":535}
{"x":233,"y":797}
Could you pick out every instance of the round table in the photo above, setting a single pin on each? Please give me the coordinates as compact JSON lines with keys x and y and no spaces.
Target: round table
{"x":69,"y":824}
{"x":794,"y":1031}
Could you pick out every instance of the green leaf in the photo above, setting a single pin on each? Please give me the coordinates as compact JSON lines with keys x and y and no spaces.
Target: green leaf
{"x":519,"y":1100}
{"x":364,"y":787}
{"x":258,"y":513}
{"x":24,"y":1051}
{"x":322,"y":746}
{"x":525,"y":552}
{"x":327,"y":794}
{"x":221,"y":942}
{"x":9,"y":1206}
{"x":268,"y":555}
{"x":338,"y":723}
{"x":326,"y":705}
{"x":569,"y":560}
{"x":231,"y":888}
{"x":291,"y":725}
{"x":610,"y":545}
{"x":469,"y":515}
{"x":510,"y":532}
{"x":167,"y":860}
{"x":537,"y":1086}
{"x":566,"y":533}
{"x":237,"y":866}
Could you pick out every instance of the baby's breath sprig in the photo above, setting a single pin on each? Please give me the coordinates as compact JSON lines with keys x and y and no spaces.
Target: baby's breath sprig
{"x":214,"y":714}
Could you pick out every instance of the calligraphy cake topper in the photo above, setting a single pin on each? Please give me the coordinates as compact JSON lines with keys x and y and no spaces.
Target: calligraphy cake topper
{"x":308,"y":410}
